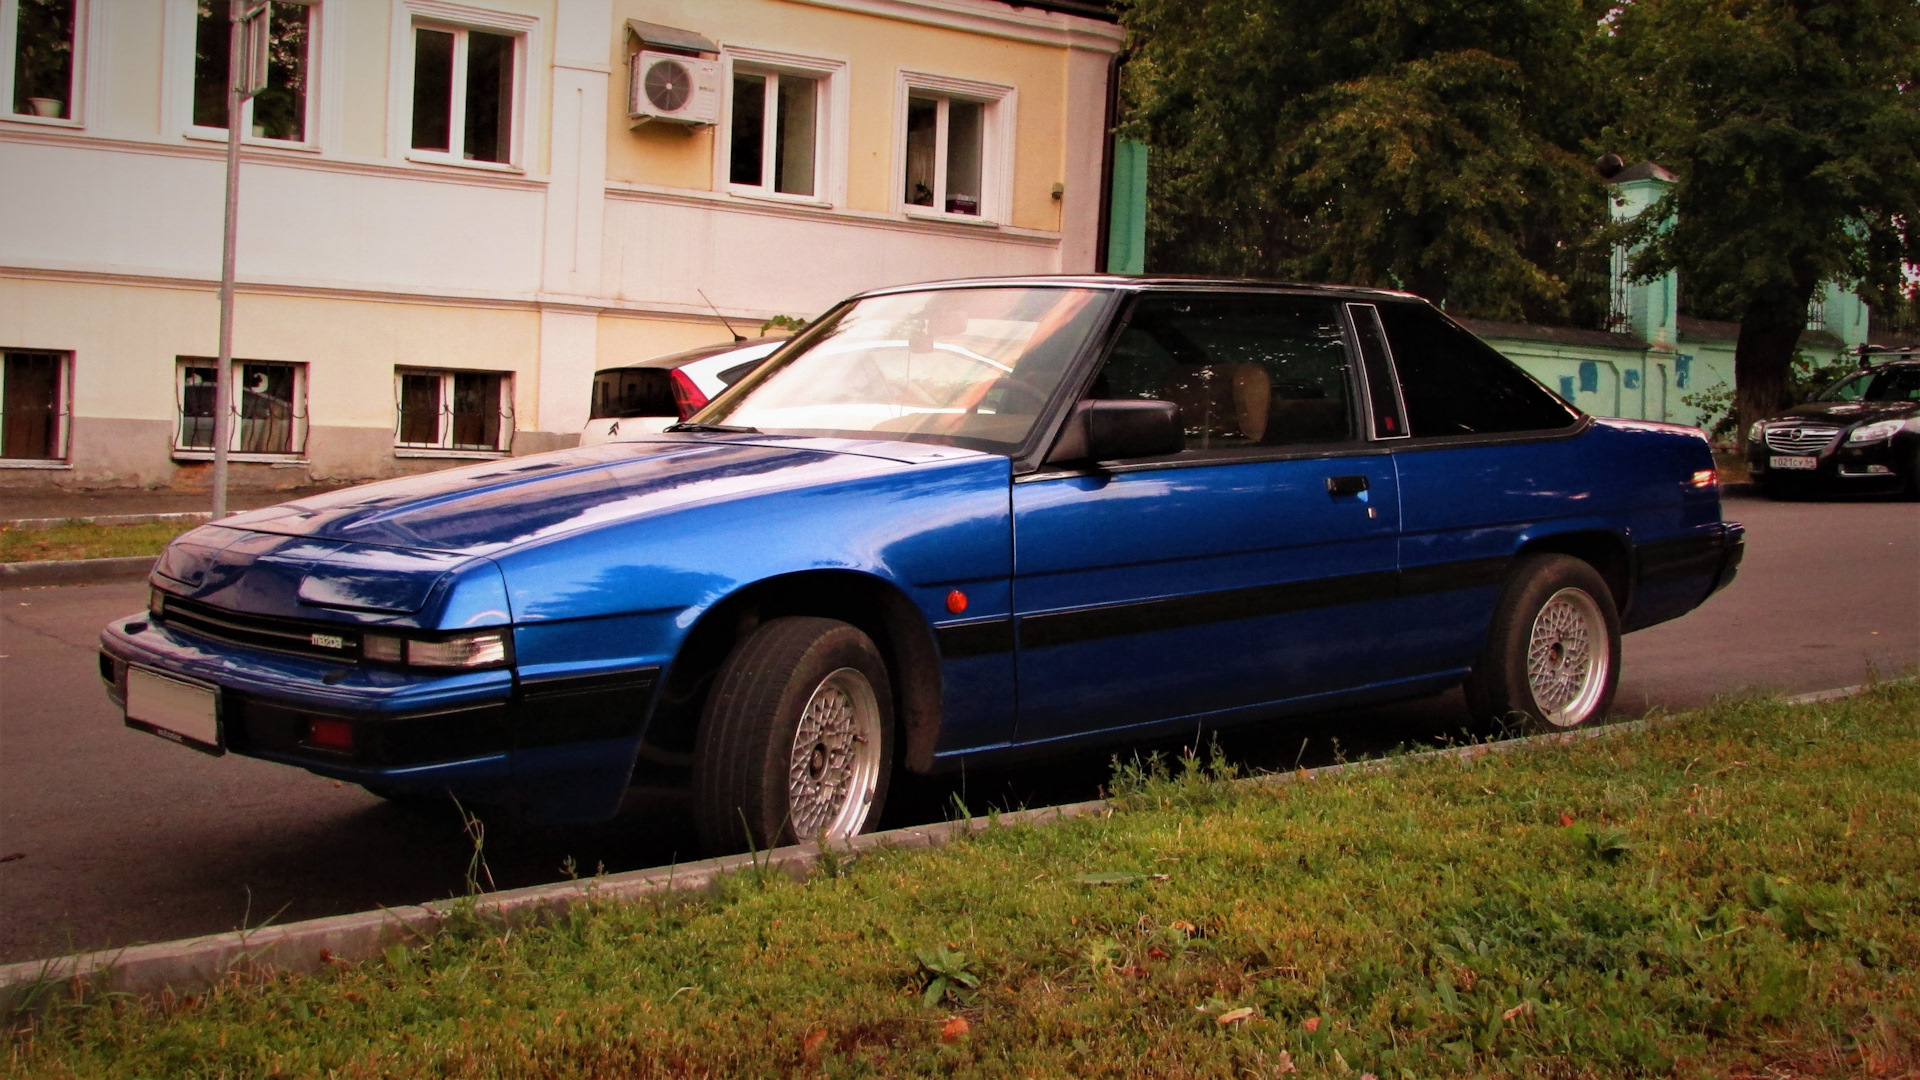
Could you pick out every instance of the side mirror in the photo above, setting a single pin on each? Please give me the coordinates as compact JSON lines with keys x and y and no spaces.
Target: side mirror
{"x":1114,"y":430}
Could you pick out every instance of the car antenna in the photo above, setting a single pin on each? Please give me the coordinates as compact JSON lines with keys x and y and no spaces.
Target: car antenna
{"x":722,"y":318}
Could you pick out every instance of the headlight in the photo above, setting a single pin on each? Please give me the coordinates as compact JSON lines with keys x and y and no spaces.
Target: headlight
{"x":1759,"y":428}
{"x":1884,"y":429}
{"x":156,"y":604}
{"x":482,"y":650}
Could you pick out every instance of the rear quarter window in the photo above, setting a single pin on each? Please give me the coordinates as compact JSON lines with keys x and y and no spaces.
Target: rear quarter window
{"x":623,"y":392}
{"x":1456,"y":384}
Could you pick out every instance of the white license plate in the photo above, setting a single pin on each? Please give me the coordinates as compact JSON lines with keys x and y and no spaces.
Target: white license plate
{"x":1777,"y":462}
{"x":185,"y":712}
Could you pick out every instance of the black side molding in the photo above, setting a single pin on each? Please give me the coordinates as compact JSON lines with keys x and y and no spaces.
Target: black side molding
{"x":986,"y":636}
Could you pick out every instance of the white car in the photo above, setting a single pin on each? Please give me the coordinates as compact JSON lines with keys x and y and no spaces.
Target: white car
{"x":642,"y":399}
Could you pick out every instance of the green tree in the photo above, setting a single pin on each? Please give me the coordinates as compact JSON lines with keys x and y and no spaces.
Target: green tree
{"x":1441,"y":146}
{"x":1793,"y":126}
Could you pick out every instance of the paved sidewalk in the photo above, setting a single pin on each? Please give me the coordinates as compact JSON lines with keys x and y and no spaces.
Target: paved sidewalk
{"x":123,"y":503}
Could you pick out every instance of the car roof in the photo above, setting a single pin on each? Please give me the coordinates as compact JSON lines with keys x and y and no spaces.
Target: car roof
{"x":688,"y":356}
{"x":1126,"y":283}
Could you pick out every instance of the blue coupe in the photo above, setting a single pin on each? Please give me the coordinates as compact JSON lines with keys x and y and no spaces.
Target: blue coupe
{"x":971,"y":520}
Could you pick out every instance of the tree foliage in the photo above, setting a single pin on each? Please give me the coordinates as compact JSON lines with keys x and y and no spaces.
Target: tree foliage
{"x":1794,"y":128}
{"x":1440,"y":146}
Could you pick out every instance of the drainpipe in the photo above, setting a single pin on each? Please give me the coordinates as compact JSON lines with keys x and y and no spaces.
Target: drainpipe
{"x":1102,"y":238}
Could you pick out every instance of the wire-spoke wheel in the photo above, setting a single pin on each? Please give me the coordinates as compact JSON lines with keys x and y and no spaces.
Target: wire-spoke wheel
{"x":1552,"y":656}
{"x":796,"y":740}
{"x":1567,"y":658}
{"x":835,"y":764}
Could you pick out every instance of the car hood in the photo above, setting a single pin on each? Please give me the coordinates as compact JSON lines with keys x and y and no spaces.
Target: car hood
{"x":1849,"y":412}
{"x":485,"y":509}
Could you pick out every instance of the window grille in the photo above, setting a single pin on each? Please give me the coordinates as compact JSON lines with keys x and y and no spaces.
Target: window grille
{"x":453,"y":410}
{"x":269,"y":409}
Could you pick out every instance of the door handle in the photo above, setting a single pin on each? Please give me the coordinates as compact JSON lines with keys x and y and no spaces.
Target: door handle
{"x":1346,"y":485}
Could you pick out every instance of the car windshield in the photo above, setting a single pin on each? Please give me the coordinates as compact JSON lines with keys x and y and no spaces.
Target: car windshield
{"x":969,"y":367}
{"x":1887,"y":384}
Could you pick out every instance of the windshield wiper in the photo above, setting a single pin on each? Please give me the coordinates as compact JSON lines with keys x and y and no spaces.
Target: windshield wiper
{"x":724,"y":429}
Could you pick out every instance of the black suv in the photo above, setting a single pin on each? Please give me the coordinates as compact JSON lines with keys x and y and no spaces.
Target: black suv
{"x":1861,"y":434}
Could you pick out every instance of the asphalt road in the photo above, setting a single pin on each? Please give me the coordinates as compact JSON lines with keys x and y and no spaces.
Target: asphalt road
{"x":109,"y":837}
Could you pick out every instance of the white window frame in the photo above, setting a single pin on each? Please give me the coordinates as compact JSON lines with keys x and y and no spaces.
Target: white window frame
{"x":301,"y":424}
{"x":319,"y":80}
{"x":77,"y":92}
{"x":409,"y":15}
{"x":442,"y":446}
{"x":63,"y":414}
{"x":996,"y":146}
{"x":830,"y":125}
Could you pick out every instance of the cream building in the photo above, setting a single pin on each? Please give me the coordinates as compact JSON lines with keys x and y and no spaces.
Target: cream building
{"x":451,"y":215}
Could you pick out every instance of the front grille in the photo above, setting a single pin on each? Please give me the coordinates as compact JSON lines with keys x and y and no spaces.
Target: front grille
{"x":261,"y":631}
{"x":1801,"y":438}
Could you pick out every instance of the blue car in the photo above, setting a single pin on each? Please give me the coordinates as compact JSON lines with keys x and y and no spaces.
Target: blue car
{"x":968,"y":521}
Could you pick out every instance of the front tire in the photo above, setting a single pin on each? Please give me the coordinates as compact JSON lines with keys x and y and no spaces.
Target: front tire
{"x":1553,"y":652}
{"x":796,"y":741}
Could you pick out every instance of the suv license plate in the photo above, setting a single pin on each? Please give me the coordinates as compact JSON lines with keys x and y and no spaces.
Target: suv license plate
{"x":184,"y":712}
{"x":1793,"y":463}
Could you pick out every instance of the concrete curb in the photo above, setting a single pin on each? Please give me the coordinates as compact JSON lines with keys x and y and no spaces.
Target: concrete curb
{"x":182,"y":517}
{"x":309,"y":946}
{"x":305,"y":947}
{"x":26,"y":575}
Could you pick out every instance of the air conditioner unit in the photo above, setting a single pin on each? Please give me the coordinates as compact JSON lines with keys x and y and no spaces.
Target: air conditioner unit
{"x":677,"y":89}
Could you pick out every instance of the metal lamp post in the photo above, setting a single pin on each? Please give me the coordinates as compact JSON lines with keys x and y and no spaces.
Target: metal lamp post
{"x":246,"y":76}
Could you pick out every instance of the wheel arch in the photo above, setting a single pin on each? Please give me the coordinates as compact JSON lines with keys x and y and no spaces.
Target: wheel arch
{"x":876,"y":606}
{"x":1607,"y":552}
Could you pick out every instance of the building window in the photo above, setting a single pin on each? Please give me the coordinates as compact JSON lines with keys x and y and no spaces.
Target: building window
{"x":269,"y":407}
{"x":453,"y":410}
{"x":279,"y":112}
{"x":35,"y":387}
{"x":464,"y":87}
{"x":955,"y":151}
{"x":43,"y":57}
{"x":775,"y":135}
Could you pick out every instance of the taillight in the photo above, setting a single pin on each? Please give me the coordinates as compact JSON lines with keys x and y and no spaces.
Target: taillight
{"x":686,"y":396}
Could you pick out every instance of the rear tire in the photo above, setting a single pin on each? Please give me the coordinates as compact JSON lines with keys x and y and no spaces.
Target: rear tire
{"x":1553,"y":652}
{"x":796,"y":741}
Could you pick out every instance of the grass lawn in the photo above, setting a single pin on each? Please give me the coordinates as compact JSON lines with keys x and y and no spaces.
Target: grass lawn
{"x":80,"y":541}
{"x":1737,"y":894}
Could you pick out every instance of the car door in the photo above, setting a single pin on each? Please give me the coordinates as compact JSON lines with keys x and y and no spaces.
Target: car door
{"x":1248,"y":569}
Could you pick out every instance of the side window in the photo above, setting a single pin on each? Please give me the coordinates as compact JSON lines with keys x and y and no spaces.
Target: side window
{"x":1376,"y":362}
{"x":1455,"y":384}
{"x":1247,"y":370}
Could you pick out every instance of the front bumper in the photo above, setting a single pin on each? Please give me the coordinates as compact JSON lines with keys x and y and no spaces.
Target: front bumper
{"x":559,"y":750}
{"x":1844,"y":466}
